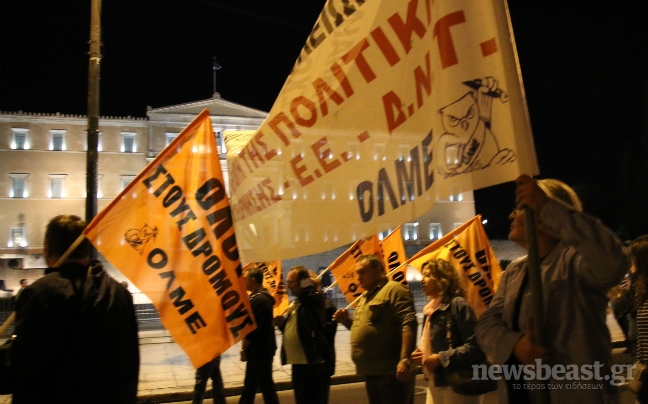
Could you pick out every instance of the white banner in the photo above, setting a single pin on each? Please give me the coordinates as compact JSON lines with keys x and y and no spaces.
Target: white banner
{"x":391,"y":105}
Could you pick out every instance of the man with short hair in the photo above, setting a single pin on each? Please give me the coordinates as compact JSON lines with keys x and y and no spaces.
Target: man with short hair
{"x":258,"y":347}
{"x":305,"y":344}
{"x":76,"y":331}
{"x":23,"y":285}
{"x":383,"y":333}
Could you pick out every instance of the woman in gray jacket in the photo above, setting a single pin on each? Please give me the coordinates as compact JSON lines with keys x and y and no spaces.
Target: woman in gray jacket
{"x":581,"y":260}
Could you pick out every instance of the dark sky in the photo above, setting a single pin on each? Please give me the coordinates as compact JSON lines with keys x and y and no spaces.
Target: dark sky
{"x":584,"y":66}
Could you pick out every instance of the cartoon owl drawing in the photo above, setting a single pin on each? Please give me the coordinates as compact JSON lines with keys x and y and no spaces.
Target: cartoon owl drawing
{"x":467,"y":143}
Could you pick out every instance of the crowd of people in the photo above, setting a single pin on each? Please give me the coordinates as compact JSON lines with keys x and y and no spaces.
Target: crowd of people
{"x":77,"y":334}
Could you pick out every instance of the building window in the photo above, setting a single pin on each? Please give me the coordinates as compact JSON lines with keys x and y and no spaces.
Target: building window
{"x":125,"y":180}
{"x":220,"y":143}
{"x":383,"y":234}
{"x":128,"y":142}
{"x":435,"y":231}
{"x":56,"y":185}
{"x":57,"y":140}
{"x":19,"y":141}
{"x":411,"y":231}
{"x":18,"y":188}
{"x":170,"y":137}
{"x":17,"y":237}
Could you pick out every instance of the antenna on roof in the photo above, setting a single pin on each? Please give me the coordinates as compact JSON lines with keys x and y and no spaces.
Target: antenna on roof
{"x":215,"y":67}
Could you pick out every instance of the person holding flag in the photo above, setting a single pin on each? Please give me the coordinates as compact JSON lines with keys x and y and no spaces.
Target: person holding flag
{"x":581,"y":260}
{"x":383,"y":333}
{"x":305,"y":343}
{"x":258,"y":347}
{"x":76,"y":331}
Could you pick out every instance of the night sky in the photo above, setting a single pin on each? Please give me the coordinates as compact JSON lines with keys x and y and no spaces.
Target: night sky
{"x":584,"y":66}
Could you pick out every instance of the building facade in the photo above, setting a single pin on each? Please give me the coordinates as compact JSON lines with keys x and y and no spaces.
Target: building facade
{"x":43,"y":174}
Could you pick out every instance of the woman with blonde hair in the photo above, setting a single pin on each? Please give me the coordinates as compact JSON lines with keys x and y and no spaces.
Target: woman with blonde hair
{"x":448,"y":340}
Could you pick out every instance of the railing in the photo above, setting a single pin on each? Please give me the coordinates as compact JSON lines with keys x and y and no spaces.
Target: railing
{"x":148,"y":318}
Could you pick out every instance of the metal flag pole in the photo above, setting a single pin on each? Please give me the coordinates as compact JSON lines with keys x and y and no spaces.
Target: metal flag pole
{"x":540,"y":396}
{"x":215,"y":67}
{"x":92,"y":156}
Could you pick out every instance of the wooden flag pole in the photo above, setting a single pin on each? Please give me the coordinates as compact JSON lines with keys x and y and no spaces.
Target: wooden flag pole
{"x":541,"y":396}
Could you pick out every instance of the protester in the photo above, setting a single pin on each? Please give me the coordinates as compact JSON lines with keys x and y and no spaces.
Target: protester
{"x":76,"y":331}
{"x":331,"y":326}
{"x":581,"y":260}
{"x":639,"y":251}
{"x":305,"y":344}
{"x":258,"y":347}
{"x":23,"y":285}
{"x":210,"y":370}
{"x":383,"y":333}
{"x":448,"y":339}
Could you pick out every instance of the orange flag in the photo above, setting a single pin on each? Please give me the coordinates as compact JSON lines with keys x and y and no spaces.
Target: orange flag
{"x":343,"y":268}
{"x":393,"y":253}
{"x":170,"y":232}
{"x":469,"y":250}
{"x":274,"y":282}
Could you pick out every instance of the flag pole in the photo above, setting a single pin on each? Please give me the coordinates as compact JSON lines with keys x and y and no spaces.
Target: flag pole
{"x":541,"y":396}
{"x":214,"y":73}
{"x":92,"y":155}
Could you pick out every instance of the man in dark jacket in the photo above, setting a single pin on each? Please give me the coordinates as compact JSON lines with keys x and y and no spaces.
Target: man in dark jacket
{"x":76,"y":331}
{"x":258,"y":348}
{"x":305,"y":343}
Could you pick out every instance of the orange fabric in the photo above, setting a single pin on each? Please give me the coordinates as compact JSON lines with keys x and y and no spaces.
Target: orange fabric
{"x":343,"y":268}
{"x":469,"y":250}
{"x":274,"y":282}
{"x":170,"y":232}
{"x":393,"y":253}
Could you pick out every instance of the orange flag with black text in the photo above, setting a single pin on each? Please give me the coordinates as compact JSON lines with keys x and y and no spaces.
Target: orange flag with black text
{"x":470,"y":252}
{"x":343,"y":268}
{"x":393,"y":253}
{"x":274,"y":282}
{"x":171,"y":233}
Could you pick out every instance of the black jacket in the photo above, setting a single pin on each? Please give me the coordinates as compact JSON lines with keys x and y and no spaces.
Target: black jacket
{"x":76,"y":339}
{"x":262,"y":339}
{"x":314,"y":335}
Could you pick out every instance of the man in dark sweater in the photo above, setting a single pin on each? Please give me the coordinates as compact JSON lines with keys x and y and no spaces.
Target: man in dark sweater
{"x":258,"y":348}
{"x":76,"y":331}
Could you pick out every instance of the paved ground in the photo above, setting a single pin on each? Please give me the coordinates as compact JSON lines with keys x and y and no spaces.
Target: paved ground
{"x":167,"y":375}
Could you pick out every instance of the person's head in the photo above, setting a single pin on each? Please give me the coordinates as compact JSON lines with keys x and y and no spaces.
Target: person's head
{"x":440,"y":279}
{"x":61,"y":232}
{"x":295,"y":276}
{"x":639,"y":269}
{"x":556,"y":190}
{"x":253,"y":278}
{"x":24,"y":283}
{"x":639,"y":252}
{"x":316,"y":280}
{"x":370,"y":270}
